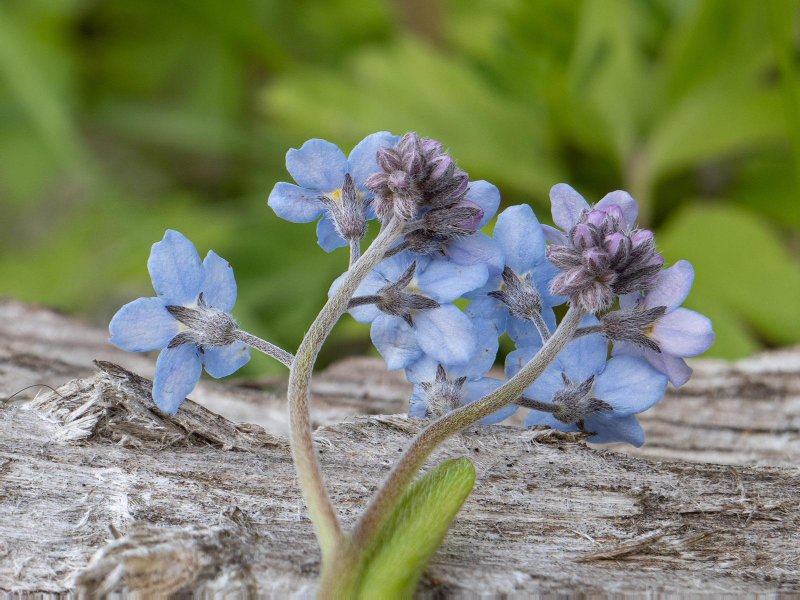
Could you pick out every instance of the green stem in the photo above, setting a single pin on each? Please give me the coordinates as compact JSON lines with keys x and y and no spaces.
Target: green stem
{"x":309,"y":473}
{"x":340,"y":576}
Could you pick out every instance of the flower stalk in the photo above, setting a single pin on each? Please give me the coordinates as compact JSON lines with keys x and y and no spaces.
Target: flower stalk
{"x":326,"y":522}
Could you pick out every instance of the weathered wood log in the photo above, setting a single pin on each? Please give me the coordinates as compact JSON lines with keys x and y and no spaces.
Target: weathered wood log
{"x":102,"y":493}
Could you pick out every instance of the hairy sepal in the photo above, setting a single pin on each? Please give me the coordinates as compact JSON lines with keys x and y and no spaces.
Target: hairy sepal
{"x":415,"y":530}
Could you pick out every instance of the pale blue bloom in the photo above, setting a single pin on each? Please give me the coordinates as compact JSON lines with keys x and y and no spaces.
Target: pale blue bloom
{"x":445,"y":333}
{"x":521,"y":241}
{"x":679,"y":333}
{"x":319,"y":169}
{"x":627,"y":385}
{"x":180,"y":279}
{"x":475,"y":386}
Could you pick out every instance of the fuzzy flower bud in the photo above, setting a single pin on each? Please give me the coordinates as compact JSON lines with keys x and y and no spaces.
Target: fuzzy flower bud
{"x":443,"y":394}
{"x":603,"y":257}
{"x":415,"y":175}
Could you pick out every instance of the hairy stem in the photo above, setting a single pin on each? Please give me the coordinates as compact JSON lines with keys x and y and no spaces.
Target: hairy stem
{"x":279,"y":354}
{"x":541,"y":326}
{"x":581,"y":331}
{"x":355,"y":250}
{"x":526,"y":402}
{"x":434,"y":434}
{"x":309,"y":473}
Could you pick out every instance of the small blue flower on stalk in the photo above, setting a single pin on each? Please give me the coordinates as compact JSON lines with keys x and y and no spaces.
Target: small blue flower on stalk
{"x":439,"y":389}
{"x":189,"y":320}
{"x":516,"y":298}
{"x":655,"y":327}
{"x":331,"y":185}
{"x":409,"y":306}
{"x":583,"y":391}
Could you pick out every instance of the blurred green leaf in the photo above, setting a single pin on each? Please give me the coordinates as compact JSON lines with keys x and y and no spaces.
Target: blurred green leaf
{"x":415,"y":531}
{"x":745,"y":280}
{"x":412,"y":87}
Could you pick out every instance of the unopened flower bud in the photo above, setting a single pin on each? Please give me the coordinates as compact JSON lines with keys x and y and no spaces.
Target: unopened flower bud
{"x":583,"y":236}
{"x":634,"y":326}
{"x":596,"y":260}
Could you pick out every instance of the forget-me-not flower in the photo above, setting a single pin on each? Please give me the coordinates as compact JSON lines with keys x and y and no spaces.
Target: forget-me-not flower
{"x":404,"y":326}
{"x":188,"y":320}
{"x":524,"y":286}
{"x":583,"y":391}
{"x":678,"y":333}
{"x":332,"y":185}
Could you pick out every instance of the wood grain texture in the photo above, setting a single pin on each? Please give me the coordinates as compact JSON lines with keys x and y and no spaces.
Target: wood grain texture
{"x":102,"y":493}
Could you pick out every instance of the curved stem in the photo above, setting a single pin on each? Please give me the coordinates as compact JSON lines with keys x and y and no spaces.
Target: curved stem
{"x":434,"y":434}
{"x":279,"y":354}
{"x":309,"y":473}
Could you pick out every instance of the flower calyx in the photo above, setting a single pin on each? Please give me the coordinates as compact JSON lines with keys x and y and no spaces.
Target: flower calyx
{"x":520,"y":295}
{"x":205,"y":326}
{"x":443,"y":394}
{"x":348,"y":210}
{"x":393,"y":299}
{"x":633,"y":325}
{"x":573,"y":403}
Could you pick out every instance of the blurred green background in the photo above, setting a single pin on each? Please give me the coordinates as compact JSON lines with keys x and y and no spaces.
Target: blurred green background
{"x":119,"y":119}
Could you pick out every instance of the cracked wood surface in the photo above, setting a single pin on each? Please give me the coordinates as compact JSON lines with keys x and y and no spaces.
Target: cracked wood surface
{"x":101,"y":493}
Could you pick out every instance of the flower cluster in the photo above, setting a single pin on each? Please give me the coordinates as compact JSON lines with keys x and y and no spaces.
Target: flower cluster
{"x":442,"y":293}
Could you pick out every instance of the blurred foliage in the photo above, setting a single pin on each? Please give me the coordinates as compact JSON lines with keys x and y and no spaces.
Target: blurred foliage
{"x":121,"y":119}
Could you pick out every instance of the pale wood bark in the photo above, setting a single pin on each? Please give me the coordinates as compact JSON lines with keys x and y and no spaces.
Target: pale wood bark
{"x":101,"y":493}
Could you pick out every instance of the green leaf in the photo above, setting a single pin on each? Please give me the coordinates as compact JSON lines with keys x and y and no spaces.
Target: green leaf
{"x":415,"y":530}
{"x":746,"y":282}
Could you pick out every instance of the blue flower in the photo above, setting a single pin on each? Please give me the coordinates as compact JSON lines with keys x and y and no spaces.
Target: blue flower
{"x":586,"y":392}
{"x":439,"y":389}
{"x":321,"y":171}
{"x":201,"y":294}
{"x":521,"y":241}
{"x":679,"y":333}
{"x":444,"y":333}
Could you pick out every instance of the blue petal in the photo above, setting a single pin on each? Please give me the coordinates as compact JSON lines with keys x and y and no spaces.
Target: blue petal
{"x":554,"y":236}
{"x":475,"y":390}
{"x":625,"y":201}
{"x":477,"y":249}
{"x":485,"y":195}
{"x":520,"y":237}
{"x":585,"y":356}
{"x":543,"y":274}
{"x":567,"y":206}
{"x":219,"y":284}
{"x":395,"y":340}
{"x":221,"y":361}
{"x":393,"y":268}
{"x":486,"y":347}
{"x":444,"y":281}
{"x":683,"y":332}
{"x":519,"y":328}
{"x":672,"y":286}
{"x":317,"y":165}
{"x":610,"y":429}
{"x":485,"y":307}
{"x":177,"y":373}
{"x":142,"y":325}
{"x":327,"y":236}
{"x":294,"y":203}
{"x":362,"y":162}
{"x":630,"y":385}
{"x":446,"y":334}
{"x":175,"y":269}
{"x":536,"y":418}
{"x":674,"y":367}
